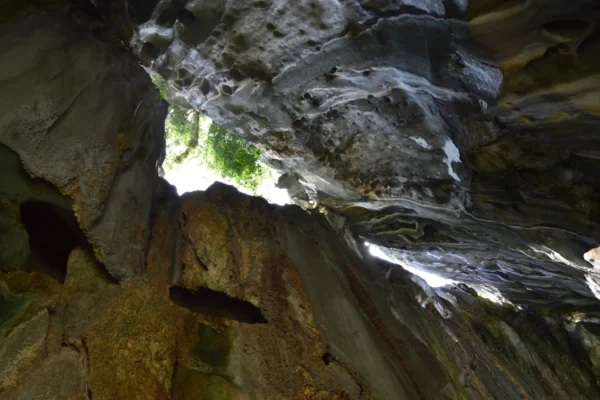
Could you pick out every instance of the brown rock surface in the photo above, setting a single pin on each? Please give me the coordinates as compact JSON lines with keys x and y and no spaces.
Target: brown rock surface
{"x":268,"y":303}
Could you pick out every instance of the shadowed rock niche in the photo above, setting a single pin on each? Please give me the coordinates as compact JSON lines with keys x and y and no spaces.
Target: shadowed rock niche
{"x":458,"y":136}
{"x":53,"y":233}
{"x":40,"y":233}
{"x":218,"y":304}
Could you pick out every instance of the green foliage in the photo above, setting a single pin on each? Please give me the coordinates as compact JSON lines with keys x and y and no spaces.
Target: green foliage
{"x":178,"y":127}
{"x":228,"y":155}
{"x":233,"y":157}
{"x":182,"y":128}
{"x":161,"y":85}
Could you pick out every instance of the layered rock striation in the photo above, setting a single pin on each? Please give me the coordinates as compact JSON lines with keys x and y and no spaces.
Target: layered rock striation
{"x":460,"y":134}
{"x":459,"y":137}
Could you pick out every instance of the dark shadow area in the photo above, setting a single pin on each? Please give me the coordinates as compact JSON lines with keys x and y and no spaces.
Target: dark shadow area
{"x":567,"y":27}
{"x":592,"y":327}
{"x":53,"y":233}
{"x":216,"y":304}
{"x":140,"y":11}
{"x":327,"y":358}
{"x":186,"y":17}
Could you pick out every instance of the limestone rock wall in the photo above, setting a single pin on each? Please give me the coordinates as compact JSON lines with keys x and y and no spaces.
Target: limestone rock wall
{"x":241,"y":300}
{"x":82,"y":115}
{"x":112,"y":287}
{"x":461,"y":134}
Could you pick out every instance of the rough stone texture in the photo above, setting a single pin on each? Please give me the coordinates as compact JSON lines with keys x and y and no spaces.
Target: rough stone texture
{"x":22,"y":348}
{"x":84,"y":273}
{"x":61,"y":376}
{"x":81,"y":115}
{"x":460,"y":134}
{"x":386,"y":113}
{"x":338,"y":103}
{"x":333,"y":325}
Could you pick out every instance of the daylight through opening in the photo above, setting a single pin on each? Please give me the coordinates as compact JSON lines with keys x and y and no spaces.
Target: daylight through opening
{"x":200,"y":152}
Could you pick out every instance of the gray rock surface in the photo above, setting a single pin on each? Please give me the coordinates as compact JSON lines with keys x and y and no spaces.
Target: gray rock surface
{"x":81,"y":115}
{"x":459,"y":134}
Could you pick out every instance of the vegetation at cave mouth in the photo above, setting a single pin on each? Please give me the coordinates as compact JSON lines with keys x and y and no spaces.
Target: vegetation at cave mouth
{"x":192,"y":137}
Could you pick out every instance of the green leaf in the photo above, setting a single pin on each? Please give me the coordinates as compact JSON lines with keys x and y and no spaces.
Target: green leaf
{"x":233,"y":157}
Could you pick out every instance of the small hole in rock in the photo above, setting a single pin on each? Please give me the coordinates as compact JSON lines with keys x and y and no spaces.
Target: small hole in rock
{"x":166,"y":17}
{"x":229,"y":20}
{"x":186,"y":17}
{"x":149,"y":51}
{"x":205,"y":87}
{"x":327,"y":358}
{"x":227,"y":90}
{"x":237,"y":75}
{"x":217,"y":304}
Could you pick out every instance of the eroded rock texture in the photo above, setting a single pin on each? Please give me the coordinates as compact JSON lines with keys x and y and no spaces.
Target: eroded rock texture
{"x":81,"y":115}
{"x":245,"y":300}
{"x":459,"y":133}
{"x":459,"y":136}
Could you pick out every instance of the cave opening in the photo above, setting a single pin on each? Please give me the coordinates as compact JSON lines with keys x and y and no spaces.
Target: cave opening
{"x":53,"y":232}
{"x":200,"y":151}
{"x":216,"y":304}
